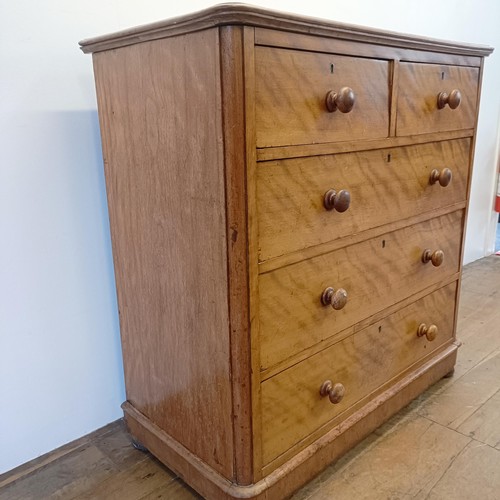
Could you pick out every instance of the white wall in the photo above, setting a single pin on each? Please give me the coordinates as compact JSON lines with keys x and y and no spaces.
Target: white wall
{"x":60,"y":368}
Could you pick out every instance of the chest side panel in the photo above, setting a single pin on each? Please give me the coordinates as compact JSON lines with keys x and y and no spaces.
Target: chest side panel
{"x":160,"y":111}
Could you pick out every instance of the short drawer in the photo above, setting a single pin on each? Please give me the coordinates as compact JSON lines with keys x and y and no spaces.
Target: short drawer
{"x":418,"y":111}
{"x":292,"y":407}
{"x":384,"y":186}
{"x":291,"y":90}
{"x":375,"y":274}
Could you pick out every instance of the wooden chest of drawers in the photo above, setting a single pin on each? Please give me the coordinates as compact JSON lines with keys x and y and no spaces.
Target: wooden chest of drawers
{"x":287,"y":199}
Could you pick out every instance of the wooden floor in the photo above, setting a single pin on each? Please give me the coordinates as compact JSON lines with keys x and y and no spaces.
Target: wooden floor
{"x":444,"y":445}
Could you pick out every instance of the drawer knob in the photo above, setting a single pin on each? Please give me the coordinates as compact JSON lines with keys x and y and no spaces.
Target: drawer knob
{"x":435,"y":257}
{"x":443,"y":177}
{"x":337,"y":200}
{"x":335,"y":298}
{"x":429,"y":331}
{"x":343,"y":100}
{"x":335,"y":392}
{"x":452,"y":99}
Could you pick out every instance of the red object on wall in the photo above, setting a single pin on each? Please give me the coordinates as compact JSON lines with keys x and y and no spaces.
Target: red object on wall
{"x":497,"y":200}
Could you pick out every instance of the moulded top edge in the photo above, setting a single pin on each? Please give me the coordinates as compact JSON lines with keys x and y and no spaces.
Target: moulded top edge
{"x":242,"y":14}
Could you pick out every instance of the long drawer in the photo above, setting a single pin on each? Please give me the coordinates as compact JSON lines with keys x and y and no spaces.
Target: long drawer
{"x":375,"y":274}
{"x":292,"y":407}
{"x":384,"y":185}
{"x":291,"y":90}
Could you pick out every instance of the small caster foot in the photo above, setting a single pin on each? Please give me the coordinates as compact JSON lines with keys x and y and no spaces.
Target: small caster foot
{"x":450,"y":374}
{"x":139,"y":446}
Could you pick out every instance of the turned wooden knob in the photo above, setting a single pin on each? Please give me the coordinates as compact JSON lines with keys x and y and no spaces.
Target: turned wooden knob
{"x":343,"y":100}
{"x":335,"y":298}
{"x":335,"y":392}
{"x":337,"y":200}
{"x":435,"y":257}
{"x":429,"y":331}
{"x":452,"y":99}
{"x":443,"y":177}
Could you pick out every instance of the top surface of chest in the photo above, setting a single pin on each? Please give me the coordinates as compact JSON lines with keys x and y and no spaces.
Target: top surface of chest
{"x":243,"y":14}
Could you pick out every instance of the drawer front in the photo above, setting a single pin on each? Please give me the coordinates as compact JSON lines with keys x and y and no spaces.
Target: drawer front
{"x":292,"y":407}
{"x":291,"y":89}
{"x":384,"y":186}
{"x":375,"y":274}
{"x":419,"y":87}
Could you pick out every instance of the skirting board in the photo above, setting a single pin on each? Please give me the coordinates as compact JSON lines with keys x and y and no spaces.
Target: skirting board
{"x":304,"y":466}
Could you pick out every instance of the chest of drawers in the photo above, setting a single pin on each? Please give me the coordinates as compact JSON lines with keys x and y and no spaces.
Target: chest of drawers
{"x":287,"y":199}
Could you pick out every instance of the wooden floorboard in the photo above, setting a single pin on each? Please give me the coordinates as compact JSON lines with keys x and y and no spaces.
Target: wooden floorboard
{"x":48,"y":458}
{"x":444,"y":445}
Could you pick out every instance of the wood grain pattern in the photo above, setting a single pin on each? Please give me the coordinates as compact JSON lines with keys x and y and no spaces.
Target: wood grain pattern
{"x":393,"y":95}
{"x":300,"y":41}
{"x":221,"y":261}
{"x":138,"y":481}
{"x":385,"y":186}
{"x":165,"y":182}
{"x":291,"y":87}
{"x":281,"y":482}
{"x":350,"y":430}
{"x":233,"y":94}
{"x":283,"y":152}
{"x":325,"y":344}
{"x":82,"y":470}
{"x":352,"y":239}
{"x":238,"y":13}
{"x":292,"y":407}
{"x":477,"y":318}
{"x":420,"y":85}
{"x":376,"y":273}
{"x":281,"y":479}
{"x":46,"y":461}
{"x":253,"y":240}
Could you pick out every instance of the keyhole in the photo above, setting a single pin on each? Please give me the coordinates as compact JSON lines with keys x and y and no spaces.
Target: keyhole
{"x":389,"y":158}
{"x":442,"y":75}
{"x":332,"y":67}
{"x":379,"y":329}
{"x":383,"y":243}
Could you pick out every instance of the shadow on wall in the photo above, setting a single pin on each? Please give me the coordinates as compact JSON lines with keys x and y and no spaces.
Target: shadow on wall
{"x":63,"y":375}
